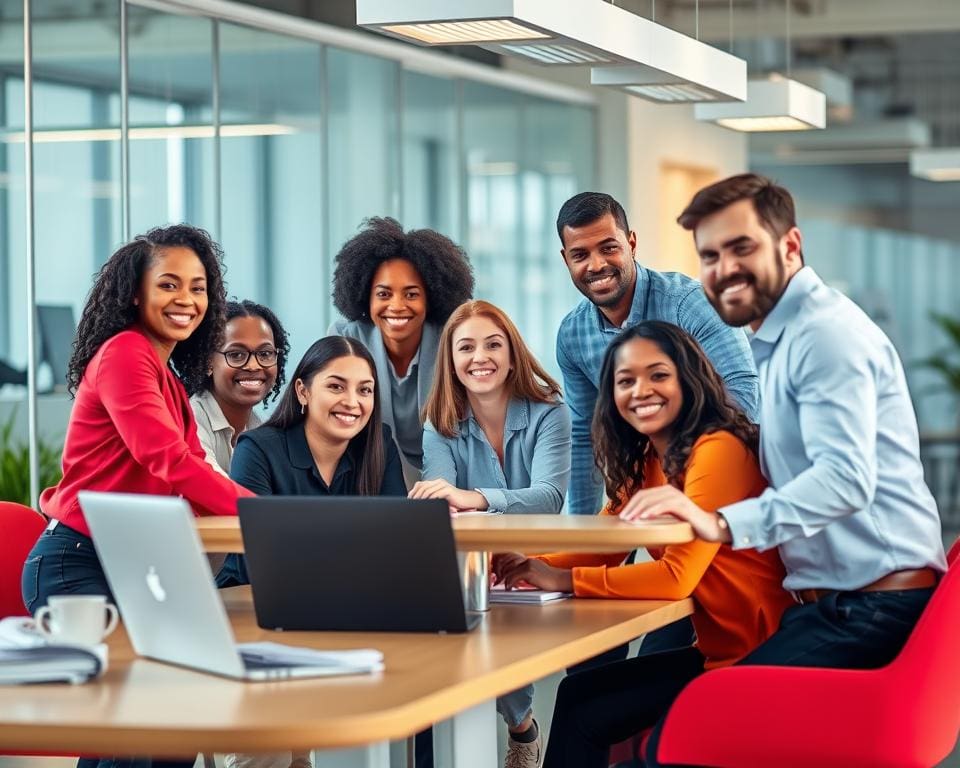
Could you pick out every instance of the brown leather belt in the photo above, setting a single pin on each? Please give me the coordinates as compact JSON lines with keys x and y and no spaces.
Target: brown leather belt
{"x":920,"y":578}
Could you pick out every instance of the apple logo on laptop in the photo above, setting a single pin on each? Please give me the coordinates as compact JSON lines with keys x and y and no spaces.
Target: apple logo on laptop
{"x":156,"y":588}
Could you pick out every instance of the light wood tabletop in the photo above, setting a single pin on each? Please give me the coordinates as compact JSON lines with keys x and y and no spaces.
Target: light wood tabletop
{"x":530,"y":534}
{"x":145,"y":707}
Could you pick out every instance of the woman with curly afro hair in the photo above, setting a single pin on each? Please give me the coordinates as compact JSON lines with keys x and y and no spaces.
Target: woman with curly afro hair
{"x":150,"y":324}
{"x":396,"y":289}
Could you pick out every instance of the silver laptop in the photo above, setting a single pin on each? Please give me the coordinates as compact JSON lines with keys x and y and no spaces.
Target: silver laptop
{"x":161,"y":580}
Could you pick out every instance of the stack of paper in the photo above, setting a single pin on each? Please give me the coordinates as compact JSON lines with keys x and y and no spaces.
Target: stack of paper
{"x":532,"y":596}
{"x":47,"y":664}
{"x":349,"y":662}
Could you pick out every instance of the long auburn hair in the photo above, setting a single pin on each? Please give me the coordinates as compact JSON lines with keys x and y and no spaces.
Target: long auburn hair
{"x":366,"y":448}
{"x":619,"y":450}
{"x":447,"y":404}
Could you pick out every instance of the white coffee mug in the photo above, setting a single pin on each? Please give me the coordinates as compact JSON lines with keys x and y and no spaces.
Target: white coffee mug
{"x":76,"y":619}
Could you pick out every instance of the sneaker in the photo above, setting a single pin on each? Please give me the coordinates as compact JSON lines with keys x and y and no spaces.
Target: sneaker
{"x":520,"y":755}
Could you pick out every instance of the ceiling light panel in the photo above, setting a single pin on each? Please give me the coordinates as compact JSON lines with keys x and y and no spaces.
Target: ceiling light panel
{"x":938,"y":164}
{"x":773,"y":104}
{"x":567,"y":33}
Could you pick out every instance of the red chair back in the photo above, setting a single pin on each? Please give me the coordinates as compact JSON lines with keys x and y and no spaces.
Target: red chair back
{"x":20,"y":527}
{"x":929,"y":668}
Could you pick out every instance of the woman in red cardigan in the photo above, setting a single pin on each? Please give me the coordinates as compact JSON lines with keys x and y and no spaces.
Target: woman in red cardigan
{"x":150,"y":324}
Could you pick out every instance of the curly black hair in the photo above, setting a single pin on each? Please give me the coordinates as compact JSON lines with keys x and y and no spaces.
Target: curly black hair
{"x":619,"y":450}
{"x":110,"y":308}
{"x":281,"y":341}
{"x":442,"y":264}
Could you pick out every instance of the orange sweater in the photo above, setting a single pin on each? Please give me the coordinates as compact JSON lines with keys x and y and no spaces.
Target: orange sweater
{"x":737,"y":593}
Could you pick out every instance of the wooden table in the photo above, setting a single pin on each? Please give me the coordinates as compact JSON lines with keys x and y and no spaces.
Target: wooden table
{"x":530,"y":534}
{"x":477,"y":535}
{"x":144,"y":707}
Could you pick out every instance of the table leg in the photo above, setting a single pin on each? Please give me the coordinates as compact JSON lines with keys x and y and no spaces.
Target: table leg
{"x":467,"y":740}
{"x":475,"y":578}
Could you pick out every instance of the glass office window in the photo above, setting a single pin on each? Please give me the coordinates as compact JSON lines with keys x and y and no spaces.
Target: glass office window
{"x":431,"y":167}
{"x":492,"y":147}
{"x":271,"y":177}
{"x":558,"y":157}
{"x":13,"y":344}
{"x":76,"y":169}
{"x":363,"y":147}
{"x":171,"y":121}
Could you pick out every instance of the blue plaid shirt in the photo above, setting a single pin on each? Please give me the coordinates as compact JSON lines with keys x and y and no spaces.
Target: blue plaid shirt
{"x":585,"y":334}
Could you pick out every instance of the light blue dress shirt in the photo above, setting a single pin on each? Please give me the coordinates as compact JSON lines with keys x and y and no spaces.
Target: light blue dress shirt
{"x":847,"y":503}
{"x":583,"y":339}
{"x":536,"y":458}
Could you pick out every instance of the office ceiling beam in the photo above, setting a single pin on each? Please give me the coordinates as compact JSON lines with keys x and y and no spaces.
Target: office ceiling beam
{"x":817,"y":18}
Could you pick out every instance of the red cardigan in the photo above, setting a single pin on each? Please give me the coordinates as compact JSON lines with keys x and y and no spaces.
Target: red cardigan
{"x":132,"y":430}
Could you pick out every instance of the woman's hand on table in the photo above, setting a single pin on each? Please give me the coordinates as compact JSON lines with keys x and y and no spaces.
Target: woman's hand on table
{"x":517,"y":570}
{"x":667,"y":501}
{"x":457,"y":498}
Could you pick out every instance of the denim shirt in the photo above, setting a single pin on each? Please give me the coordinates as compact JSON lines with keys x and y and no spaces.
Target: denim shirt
{"x":839,"y":443}
{"x":536,"y":458}
{"x":586,"y":333}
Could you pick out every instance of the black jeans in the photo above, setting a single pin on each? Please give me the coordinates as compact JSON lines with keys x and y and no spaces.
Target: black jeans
{"x":64,"y":562}
{"x":601,"y":706}
{"x":844,"y":630}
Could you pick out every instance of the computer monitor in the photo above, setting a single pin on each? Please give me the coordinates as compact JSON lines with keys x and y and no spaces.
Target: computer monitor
{"x":56,"y":333}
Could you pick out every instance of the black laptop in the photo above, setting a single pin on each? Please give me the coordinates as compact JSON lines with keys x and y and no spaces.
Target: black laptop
{"x":353,"y":563}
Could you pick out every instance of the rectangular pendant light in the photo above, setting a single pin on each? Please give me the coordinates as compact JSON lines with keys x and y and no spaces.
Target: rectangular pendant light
{"x":725,"y":79}
{"x":773,"y":104}
{"x":938,"y":164}
{"x":568,"y":32}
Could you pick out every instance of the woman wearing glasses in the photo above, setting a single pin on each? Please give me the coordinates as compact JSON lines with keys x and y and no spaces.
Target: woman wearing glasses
{"x":247,"y":370}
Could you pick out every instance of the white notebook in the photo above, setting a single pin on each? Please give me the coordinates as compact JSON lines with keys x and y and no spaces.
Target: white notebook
{"x":529,"y":596}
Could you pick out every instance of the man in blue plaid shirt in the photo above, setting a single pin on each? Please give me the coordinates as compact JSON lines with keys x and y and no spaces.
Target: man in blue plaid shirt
{"x":599,"y":250}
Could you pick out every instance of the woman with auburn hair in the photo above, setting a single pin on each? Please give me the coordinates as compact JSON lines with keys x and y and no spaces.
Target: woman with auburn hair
{"x":496,"y":437}
{"x":663,"y":417}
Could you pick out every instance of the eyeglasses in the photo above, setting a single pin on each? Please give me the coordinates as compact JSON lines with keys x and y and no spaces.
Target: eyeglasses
{"x":237,"y":358}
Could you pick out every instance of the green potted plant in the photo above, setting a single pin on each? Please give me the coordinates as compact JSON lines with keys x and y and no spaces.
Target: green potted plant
{"x":15,"y":465}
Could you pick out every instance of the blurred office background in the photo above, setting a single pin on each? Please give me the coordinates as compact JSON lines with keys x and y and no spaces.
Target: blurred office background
{"x":279,"y":126}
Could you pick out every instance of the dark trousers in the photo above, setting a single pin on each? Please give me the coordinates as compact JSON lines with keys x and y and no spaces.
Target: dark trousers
{"x":64,"y":562}
{"x":844,"y":630}
{"x":601,"y":706}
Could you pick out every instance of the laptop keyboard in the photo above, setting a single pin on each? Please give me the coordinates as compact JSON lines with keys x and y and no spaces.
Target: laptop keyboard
{"x":255,"y":661}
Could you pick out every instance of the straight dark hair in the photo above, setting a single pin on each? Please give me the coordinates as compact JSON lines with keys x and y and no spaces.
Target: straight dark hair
{"x":365,"y":449}
{"x":586,"y":207}
{"x":620,"y":451}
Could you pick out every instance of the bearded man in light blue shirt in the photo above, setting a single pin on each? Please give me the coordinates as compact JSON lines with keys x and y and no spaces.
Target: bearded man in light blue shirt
{"x":847,"y":506}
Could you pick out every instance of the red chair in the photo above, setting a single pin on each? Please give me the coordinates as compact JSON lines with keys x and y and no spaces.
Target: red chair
{"x":20,"y":527}
{"x":903,"y":715}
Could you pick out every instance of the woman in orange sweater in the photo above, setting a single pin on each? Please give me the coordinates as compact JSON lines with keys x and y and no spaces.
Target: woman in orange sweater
{"x":662,"y":416}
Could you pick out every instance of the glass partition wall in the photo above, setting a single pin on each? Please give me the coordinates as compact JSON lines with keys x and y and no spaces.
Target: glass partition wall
{"x":277,"y":135}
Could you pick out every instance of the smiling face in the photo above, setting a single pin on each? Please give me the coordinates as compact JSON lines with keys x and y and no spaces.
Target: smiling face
{"x":599,"y":256}
{"x":481,"y":355}
{"x":249,"y":385}
{"x":398,"y":301}
{"x":339,"y":399}
{"x":172,"y":298}
{"x":743,"y":267}
{"x":646,"y":389}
